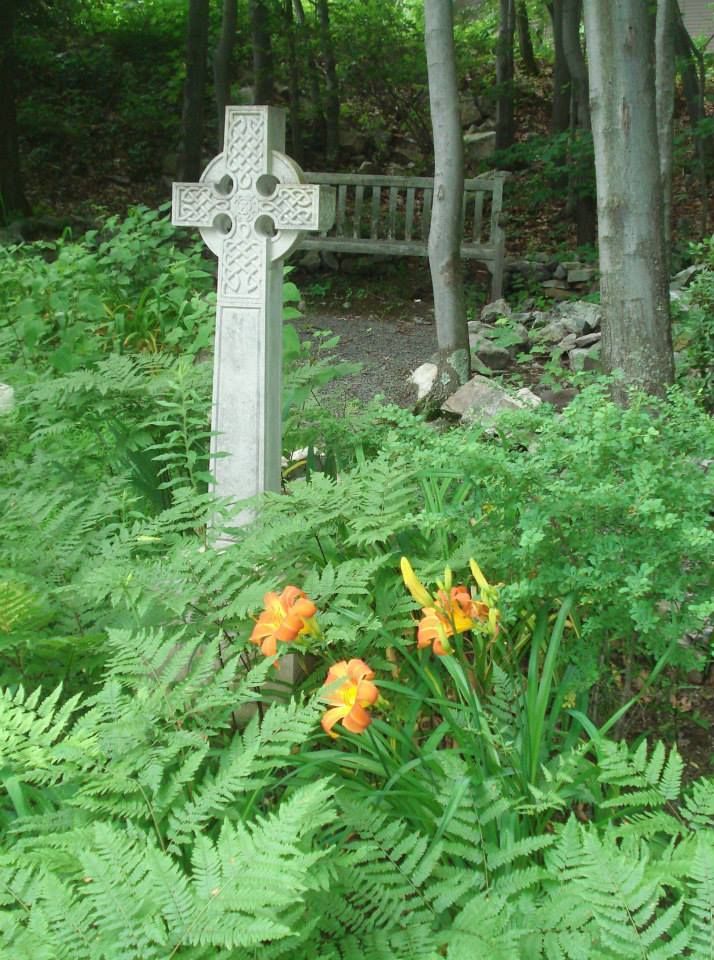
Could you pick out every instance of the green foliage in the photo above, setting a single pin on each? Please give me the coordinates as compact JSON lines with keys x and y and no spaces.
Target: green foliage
{"x":163,"y":794}
{"x":694,"y":328}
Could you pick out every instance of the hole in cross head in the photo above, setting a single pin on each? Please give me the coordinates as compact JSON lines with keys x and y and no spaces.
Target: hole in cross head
{"x":266,"y":184}
{"x":265,"y":226}
{"x":225,"y":185}
{"x":223,"y":223}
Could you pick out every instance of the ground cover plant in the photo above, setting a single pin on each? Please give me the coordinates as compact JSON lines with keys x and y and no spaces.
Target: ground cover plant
{"x":478,"y":614}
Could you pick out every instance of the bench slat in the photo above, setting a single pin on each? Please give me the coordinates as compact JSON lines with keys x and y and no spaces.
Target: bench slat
{"x":376,"y":202}
{"x":409,"y":222}
{"x":392,"y":228}
{"x":478,"y":217}
{"x":413,"y":248}
{"x":357,"y":223}
{"x":426,"y":213}
{"x":340,"y":212}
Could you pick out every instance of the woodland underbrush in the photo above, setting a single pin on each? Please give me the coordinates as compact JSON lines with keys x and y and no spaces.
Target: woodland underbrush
{"x":472,"y":617}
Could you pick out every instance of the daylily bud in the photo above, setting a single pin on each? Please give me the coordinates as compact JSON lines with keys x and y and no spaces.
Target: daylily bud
{"x":414,"y":585}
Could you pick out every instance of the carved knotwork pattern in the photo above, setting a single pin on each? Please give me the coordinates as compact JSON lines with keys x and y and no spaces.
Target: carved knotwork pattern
{"x":294,"y":206}
{"x":245,"y":149}
{"x":198,"y":205}
{"x":242,"y":266}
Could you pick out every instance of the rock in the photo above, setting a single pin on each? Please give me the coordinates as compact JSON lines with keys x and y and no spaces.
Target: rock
{"x":494,"y":310}
{"x":560,"y":272}
{"x":539,"y":318}
{"x":569,"y":265}
{"x":585,"y":359}
{"x":520,"y":331}
{"x":367,"y":167}
{"x":580,"y":316}
{"x":567,"y":343}
{"x":557,"y":289}
{"x":481,"y":401}
{"x":528,"y":397}
{"x":588,"y":339}
{"x":553,"y":332}
{"x":7,"y":399}
{"x":423,"y":379}
{"x":680,"y":280}
{"x":583,"y":275}
{"x":492,"y":355}
{"x":329,"y":260}
{"x":477,"y":146}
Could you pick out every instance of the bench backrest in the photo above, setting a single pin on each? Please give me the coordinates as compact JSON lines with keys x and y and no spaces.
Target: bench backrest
{"x":394,"y":213}
{"x":391,"y":214}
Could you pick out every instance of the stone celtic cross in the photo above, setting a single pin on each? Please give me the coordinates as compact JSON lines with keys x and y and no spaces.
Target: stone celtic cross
{"x":252,"y":207}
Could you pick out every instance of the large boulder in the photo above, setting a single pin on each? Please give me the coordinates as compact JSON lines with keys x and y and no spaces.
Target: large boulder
{"x":481,"y":400}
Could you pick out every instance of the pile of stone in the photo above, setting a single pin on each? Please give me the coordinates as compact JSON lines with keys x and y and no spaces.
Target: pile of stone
{"x":569,"y":332}
{"x":558,"y":279}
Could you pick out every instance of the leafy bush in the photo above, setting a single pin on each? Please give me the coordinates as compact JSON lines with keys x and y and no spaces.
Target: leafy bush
{"x":163,"y":793}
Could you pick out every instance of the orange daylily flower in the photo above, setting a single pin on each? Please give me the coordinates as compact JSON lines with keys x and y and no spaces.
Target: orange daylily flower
{"x":455,"y":612}
{"x":286,"y":617}
{"x":349,"y":689}
{"x":453,"y":609}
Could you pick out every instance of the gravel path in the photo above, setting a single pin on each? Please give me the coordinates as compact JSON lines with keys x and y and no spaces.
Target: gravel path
{"x":389,"y":347}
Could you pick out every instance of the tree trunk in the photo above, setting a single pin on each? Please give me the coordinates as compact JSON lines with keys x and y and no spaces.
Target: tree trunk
{"x":263,"y":80}
{"x":222,"y":63}
{"x":189,"y":165}
{"x":504,"y":74}
{"x":580,"y":169}
{"x":332,"y":97}
{"x":296,"y":145}
{"x":634,"y":286}
{"x":665,"y":71}
{"x":525,"y":44}
{"x":13,"y":202}
{"x":560,"y":113}
{"x":446,"y":217}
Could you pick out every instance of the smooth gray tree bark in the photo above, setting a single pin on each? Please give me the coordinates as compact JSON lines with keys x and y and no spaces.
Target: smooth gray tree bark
{"x":505,"y":120}
{"x":222,"y":58}
{"x":446,"y":218}
{"x":634,"y":282}
{"x":189,"y":162}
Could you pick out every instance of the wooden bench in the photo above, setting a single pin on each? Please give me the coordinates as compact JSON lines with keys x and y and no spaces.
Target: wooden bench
{"x":391,"y":215}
